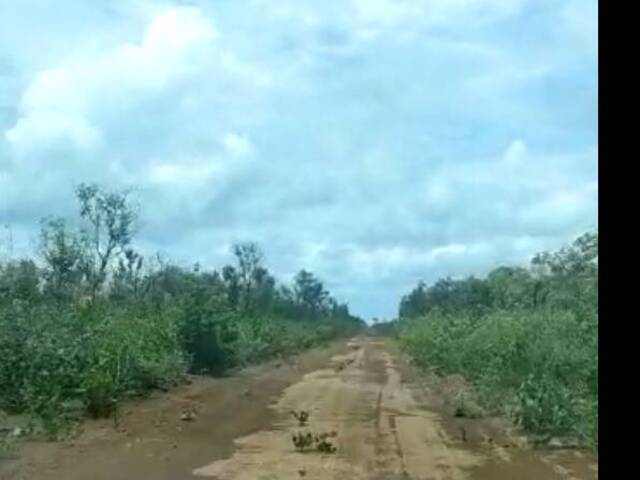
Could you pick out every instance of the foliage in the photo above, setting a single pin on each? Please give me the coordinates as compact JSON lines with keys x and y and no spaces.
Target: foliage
{"x":92,"y":322}
{"x":56,"y":355}
{"x":320,"y":442}
{"x":62,"y":253}
{"x":529,"y":346}
{"x":7,"y":438}
{"x":108,"y":229}
{"x":383,"y":328}
{"x":19,"y":280}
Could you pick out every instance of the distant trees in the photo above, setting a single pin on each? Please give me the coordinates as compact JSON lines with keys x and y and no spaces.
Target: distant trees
{"x":446,"y":295}
{"x":567,"y":278}
{"x":310,"y":294}
{"x":94,"y":258}
{"x":414,"y":303}
{"x":251,"y":288}
{"x":79,"y":261}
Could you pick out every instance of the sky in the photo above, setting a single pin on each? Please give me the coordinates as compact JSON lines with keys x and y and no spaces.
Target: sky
{"x":374,"y":142}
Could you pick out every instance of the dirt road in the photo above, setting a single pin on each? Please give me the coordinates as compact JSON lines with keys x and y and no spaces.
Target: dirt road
{"x":391,"y":422}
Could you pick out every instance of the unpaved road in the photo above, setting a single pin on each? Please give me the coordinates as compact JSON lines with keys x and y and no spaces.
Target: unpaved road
{"x":392,"y":422}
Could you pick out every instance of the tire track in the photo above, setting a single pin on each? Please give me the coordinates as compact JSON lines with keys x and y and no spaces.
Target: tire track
{"x":381,"y":431}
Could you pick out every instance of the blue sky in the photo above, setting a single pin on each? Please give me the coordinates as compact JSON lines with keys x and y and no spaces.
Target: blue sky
{"x":374,"y":142}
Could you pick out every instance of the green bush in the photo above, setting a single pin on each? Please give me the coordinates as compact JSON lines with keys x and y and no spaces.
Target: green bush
{"x":55,"y":356}
{"x":87,"y":325}
{"x":538,"y":366}
{"x":59,"y":361}
{"x":260,"y":338}
{"x":129,"y":354}
{"x":525,"y":337}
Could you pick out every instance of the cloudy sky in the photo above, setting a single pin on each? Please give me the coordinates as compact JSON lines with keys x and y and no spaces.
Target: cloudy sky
{"x":374,"y":142}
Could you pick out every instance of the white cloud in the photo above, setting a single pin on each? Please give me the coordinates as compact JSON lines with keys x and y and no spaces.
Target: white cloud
{"x":447,"y":250}
{"x":426,"y":13}
{"x":178,"y":29}
{"x":515,"y":153}
{"x":237,"y":144}
{"x":506,"y":72}
{"x":376,"y":16}
{"x":563,"y":207}
{"x":50,"y":127}
{"x":373,"y":142}
{"x":64,"y":101}
{"x":378,"y":261}
{"x":368,"y":20}
{"x":383,"y":261}
{"x":580,"y":19}
{"x":438,"y":190}
{"x":183,"y":174}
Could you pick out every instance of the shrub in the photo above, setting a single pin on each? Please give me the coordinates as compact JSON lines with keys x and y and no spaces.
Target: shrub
{"x":55,"y":356}
{"x":88,"y":326}
{"x":538,"y":366}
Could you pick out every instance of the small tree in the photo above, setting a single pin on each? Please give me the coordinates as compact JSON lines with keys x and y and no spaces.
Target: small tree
{"x":231,"y":282}
{"x":109,"y":226}
{"x":19,"y":279}
{"x":414,"y":304}
{"x":249,"y":258}
{"x":63,"y":255}
{"x":310,"y":293}
{"x":127,"y":279}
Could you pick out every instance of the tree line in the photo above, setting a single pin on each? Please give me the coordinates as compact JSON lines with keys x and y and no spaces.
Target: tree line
{"x":91,"y":320}
{"x":566,"y":279}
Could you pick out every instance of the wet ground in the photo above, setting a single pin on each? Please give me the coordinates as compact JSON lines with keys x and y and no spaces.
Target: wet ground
{"x":386,"y":421}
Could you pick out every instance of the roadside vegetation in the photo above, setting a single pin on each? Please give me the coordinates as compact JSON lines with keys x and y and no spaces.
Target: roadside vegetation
{"x":526,"y":338}
{"x":90,"y":321}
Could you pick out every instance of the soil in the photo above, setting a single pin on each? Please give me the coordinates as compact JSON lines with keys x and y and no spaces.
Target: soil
{"x":387,"y":421}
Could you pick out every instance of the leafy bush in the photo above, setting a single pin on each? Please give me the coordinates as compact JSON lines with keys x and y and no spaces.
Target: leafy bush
{"x":89,"y":326}
{"x":60,"y":362}
{"x":130,"y":354}
{"x":532,"y":352}
{"x":55,"y":356}
{"x":540,"y":366}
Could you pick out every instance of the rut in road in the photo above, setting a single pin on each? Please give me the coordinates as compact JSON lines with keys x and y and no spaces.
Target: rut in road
{"x":382,"y":432}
